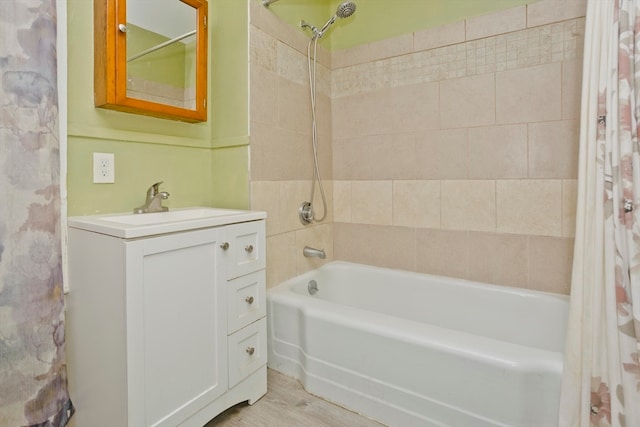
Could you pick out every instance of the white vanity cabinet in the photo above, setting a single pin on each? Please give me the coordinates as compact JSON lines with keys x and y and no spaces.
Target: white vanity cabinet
{"x":165,"y":329}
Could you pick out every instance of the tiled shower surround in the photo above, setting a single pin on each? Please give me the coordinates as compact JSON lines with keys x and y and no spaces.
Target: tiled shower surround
{"x":451,"y":150}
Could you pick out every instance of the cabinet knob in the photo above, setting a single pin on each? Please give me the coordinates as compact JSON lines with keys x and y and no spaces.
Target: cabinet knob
{"x":225,"y":246}
{"x":250,"y":350}
{"x":122,"y":28}
{"x":249,"y":300}
{"x":249,"y":248}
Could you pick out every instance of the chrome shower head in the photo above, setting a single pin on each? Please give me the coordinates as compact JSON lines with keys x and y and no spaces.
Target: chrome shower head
{"x":346,"y":9}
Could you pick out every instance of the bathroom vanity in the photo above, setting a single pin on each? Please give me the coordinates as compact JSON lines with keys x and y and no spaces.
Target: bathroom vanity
{"x":166,"y":318}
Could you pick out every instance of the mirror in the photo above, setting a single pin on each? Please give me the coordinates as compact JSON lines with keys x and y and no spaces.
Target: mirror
{"x":151,"y":57}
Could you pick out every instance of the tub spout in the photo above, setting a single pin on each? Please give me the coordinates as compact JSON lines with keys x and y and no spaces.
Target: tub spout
{"x":312,"y":252}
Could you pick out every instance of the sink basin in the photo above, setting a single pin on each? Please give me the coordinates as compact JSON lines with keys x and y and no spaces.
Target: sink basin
{"x":129,"y":225}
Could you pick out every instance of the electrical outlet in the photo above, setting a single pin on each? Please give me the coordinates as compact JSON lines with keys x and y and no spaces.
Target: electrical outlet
{"x":104,"y":168}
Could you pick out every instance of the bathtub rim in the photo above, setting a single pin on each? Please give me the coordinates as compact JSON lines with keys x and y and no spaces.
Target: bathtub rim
{"x":281,"y":287}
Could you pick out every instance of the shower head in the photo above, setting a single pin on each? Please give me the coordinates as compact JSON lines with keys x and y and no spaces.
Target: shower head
{"x":345,"y":10}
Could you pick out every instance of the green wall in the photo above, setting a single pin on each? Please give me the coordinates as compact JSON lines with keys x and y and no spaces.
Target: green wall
{"x":200,"y":164}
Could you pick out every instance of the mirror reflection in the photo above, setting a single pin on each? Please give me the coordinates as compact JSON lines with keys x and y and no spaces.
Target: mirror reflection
{"x":161,"y":52}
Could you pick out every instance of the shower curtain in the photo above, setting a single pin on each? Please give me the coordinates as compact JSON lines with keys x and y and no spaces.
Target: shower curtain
{"x":33,"y":380}
{"x":601,"y":380}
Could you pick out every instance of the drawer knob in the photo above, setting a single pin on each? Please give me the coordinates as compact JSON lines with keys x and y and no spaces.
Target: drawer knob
{"x":249,"y":300}
{"x":225,"y":246}
{"x":250,"y":350}
{"x":249,"y":248}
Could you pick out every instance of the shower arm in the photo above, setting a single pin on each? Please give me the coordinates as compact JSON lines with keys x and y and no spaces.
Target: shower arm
{"x":327,"y":25}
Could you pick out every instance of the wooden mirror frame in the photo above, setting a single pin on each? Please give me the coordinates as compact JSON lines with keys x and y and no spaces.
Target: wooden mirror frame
{"x":110,"y":64}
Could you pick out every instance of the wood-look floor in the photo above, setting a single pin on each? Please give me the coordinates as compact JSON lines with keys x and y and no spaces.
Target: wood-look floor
{"x":286,"y":404}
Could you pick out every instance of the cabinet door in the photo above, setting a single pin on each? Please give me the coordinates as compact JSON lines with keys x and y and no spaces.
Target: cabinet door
{"x":176,"y":327}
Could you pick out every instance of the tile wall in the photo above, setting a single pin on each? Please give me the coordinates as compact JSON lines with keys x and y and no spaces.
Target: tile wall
{"x":454,"y":149}
{"x":281,"y":153}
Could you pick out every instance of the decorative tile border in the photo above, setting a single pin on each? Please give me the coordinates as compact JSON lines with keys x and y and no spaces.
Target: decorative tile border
{"x":519,"y":49}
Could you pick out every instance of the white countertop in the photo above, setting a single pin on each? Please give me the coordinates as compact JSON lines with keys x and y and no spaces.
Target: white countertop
{"x":128,"y":225}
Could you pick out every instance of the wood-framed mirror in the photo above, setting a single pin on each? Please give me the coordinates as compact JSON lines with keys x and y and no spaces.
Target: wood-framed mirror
{"x":150,"y":57}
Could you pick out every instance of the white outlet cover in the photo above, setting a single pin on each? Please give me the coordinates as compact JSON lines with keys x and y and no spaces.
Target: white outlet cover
{"x":104,"y":168}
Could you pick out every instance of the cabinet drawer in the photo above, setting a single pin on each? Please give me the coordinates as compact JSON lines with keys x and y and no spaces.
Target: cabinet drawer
{"x":246,"y":248}
{"x":247,"y":351}
{"x":246,"y":300}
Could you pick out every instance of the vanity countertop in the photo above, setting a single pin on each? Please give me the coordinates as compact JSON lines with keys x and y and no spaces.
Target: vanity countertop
{"x":129,"y":225}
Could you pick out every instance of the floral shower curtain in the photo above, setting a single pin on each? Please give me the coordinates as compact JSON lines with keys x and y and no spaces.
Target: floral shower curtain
{"x":601,"y":382}
{"x":33,"y":380}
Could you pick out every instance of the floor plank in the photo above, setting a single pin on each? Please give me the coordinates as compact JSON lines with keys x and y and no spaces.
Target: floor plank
{"x":287,"y":404}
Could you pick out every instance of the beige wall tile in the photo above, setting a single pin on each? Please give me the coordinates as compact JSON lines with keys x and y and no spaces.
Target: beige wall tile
{"x":500,"y":259}
{"x":292,"y":194}
{"x":324,"y":57}
{"x":291,"y":99}
{"x":265,"y":196}
{"x":343,"y":110}
{"x":255,"y":13}
{"x":348,"y":57}
{"x":342,"y":201}
{"x":468,"y":101}
{"x":468,"y":205}
{"x":496,"y":23}
{"x":318,"y":206}
{"x":416,"y":203}
{"x":443,"y":35}
{"x":394,"y":46}
{"x":397,"y":137}
{"x":292,"y":64}
{"x":271,"y":24}
{"x":281,"y":258}
{"x":569,"y":201}
{"x":281,"y":155}
{"x":262,"y":51}
{"x":413,"y":108}
{"x":529,"y":94}
{"x":550,"y":264}
{"x":371,"y":202}
{"x":550,"y":11}
{"x":571,"y":88}
{"x":530,"y":207}
{"x":255,"y":153}
{"x":553,"y":149}
{"x":383,"y":246}
{"x":498,"y":152}
{"x":441,"y":252}
{"x":323,"y":120}
{"x":264,"y":97}
{"x":401,"y":109}
{"x":442,"y":154}
{"x":362,"y":114}
{"x":319,"y":236}
{"x":390,"y":156}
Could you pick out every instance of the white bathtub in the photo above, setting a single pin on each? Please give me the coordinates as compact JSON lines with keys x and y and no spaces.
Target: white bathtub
{"x":411,"y":349}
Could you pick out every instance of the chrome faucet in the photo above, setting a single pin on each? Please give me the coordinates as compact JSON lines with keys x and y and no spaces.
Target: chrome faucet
{"x":154,"y":200}
{"x":313,"y":252}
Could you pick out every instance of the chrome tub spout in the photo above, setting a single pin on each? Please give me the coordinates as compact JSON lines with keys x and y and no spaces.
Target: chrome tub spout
{"x":313,"y":252}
